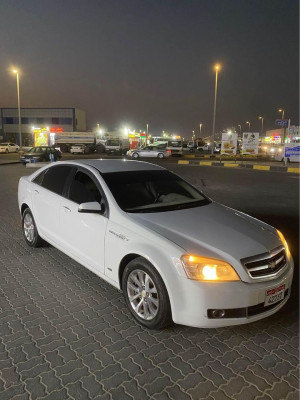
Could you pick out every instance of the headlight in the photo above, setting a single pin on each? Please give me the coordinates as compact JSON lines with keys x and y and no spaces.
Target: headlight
{"x":208,"y":269}
{"x":284,"y":242}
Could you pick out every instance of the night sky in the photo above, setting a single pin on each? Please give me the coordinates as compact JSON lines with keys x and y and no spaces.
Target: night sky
{"x":133,"y":62}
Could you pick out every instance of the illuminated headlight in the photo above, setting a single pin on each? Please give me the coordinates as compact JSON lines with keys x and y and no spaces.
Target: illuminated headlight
{"x":208,"y":269}
{"x":284,"y":242}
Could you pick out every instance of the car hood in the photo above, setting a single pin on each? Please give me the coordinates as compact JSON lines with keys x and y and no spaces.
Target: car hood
{"x":213,"y":228}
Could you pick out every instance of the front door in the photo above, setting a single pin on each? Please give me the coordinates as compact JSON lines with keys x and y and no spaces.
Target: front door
{"x":83,"y":233}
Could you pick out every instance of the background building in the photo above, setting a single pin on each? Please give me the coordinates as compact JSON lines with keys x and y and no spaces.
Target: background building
{"x":283,"y":135}
{"x":63,"y":119}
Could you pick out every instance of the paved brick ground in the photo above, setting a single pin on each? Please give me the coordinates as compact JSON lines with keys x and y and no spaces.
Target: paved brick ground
{"x":66,"y":334}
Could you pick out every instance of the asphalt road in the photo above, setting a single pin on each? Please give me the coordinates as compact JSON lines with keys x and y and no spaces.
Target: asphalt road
{"x":66,"y":334}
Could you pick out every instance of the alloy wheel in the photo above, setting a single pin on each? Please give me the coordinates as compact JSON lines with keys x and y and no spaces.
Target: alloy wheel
{"x":142,"y":294}
{"x":29,"y":227}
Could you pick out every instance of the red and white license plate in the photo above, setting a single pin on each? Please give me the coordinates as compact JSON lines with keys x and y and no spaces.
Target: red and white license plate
{"x":274,"y":295}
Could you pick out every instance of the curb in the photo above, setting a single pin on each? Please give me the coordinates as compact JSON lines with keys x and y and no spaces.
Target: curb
{"x":11,"y":162}
{"x":257,"y":167}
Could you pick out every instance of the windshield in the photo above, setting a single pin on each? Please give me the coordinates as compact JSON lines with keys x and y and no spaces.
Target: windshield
{"x":111,"y":142}
{"x":175,"y":143}
{"x":152,"y":191}
{"x":37,"y":149}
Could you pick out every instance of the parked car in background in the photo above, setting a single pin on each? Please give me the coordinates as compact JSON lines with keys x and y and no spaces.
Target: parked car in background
{"x":40,"y":154}
{"x":176,"y":254}
{"x":149,"y":151}
{"x":205,"y":147}
{"x":117,"y":146}
{"x":175,"y":146}
{"x":79,"y":149}
{"x":8,"y":147}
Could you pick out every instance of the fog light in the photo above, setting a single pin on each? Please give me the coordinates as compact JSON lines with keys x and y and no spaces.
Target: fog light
{"x":218,"y":313}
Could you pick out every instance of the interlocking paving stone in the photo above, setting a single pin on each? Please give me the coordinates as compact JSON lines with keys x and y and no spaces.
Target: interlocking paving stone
{"x":66,"y":334}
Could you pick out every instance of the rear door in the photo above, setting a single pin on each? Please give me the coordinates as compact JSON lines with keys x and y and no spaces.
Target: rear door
{"x":47,"y":194}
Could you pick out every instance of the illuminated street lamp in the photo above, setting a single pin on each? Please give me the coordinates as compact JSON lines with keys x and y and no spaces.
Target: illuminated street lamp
{"x":249,"y":125}
{"x":282,"y":113}
{"x":200,"y":126}
{"x":262,"y":124}
{"x":217,"y":68}
{"x":15,"y":71}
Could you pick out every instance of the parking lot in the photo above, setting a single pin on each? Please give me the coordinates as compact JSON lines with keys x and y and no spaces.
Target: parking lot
{"x":66,"y":334}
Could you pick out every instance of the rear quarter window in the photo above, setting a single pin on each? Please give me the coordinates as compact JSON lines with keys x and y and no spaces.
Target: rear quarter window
{"x":54,"y":178}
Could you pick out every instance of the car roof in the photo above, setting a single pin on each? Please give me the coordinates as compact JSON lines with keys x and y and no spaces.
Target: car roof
{"x":105,"y":166}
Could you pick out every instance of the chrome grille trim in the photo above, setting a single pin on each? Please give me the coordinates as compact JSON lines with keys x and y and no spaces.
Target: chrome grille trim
{"x":266,"y":265}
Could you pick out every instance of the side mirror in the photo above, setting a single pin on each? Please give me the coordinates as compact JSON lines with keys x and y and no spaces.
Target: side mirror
{"x":92,"y":207}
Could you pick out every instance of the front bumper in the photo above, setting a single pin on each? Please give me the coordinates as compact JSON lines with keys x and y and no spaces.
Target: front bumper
{"x":243,"y":302}
{"x":29,"y":160}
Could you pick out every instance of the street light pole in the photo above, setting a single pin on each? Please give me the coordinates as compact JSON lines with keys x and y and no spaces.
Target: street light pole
{"x":247,"y":122}
{"x":262,"y":124}
{"x":217,"y":68}
{"x":282,"y":113}
{"x":240,"y":129}
{"x":15,"y":71}
{"x":284,"y":129}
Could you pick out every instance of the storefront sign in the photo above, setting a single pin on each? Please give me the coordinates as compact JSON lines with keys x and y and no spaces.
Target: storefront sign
{"x":250,"y":143}
{"x":41,"y":137}
{"x":283,"y":123}
{"x":56,"y":130}
{"x":229,"y":144}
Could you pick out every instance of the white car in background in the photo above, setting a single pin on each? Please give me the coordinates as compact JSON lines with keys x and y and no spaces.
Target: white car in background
{"x":78,"y":149}
{"x":8,"y":147}
{"x":176,"y":254}
{"x":149,"y":152}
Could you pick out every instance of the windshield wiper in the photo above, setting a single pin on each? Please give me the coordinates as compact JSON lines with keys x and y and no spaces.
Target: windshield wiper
{"x":172,"y":207}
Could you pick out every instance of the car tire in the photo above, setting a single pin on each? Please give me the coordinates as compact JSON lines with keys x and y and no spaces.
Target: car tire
{"x":200,"y":150}
{"x":146,"y":295}
{"x":160,"y":155}
{"x":30,"y":231}
{"x":135,"y":155}
{"x":191,"y":150}
{"x":6,"y":151}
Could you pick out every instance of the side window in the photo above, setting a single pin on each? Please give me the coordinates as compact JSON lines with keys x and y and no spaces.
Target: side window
{"x":83,"y":189}
{"x":55,"y":178}
{"x":39,"y":178}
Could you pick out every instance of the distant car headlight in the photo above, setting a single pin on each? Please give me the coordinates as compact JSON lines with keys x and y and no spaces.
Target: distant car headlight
{"x":208,"y":269}
{"x":284,"y":242}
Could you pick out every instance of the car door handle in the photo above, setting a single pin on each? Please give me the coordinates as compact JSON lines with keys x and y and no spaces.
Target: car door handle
{"x":67,"y":209}
{"x":36,"y":191}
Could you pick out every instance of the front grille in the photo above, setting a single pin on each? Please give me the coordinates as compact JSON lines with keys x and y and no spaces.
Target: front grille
{"x":265,"y":265}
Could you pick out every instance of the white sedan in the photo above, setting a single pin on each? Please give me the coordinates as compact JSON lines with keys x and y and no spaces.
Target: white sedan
{"x":8,"y":147}
{"x":176,"y":254}
{"x":149,"y":151}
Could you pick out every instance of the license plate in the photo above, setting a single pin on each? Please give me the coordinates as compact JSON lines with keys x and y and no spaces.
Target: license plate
{"x":274,"y":295}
